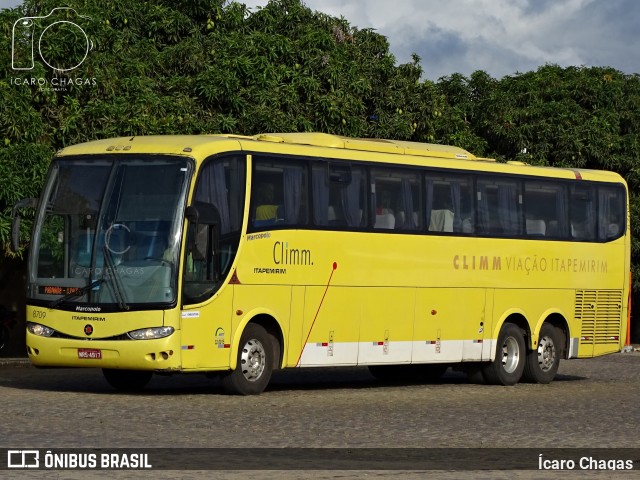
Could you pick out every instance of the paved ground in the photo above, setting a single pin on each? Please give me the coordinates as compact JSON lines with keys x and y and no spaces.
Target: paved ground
{"x":592,"y":403}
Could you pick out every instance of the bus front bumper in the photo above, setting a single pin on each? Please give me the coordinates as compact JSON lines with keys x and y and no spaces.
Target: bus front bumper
{"x":156,"y":354}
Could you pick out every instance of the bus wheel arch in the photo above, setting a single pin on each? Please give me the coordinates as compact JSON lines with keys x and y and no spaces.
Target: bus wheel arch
{"x":274,"y":330}
{"x":559,"y":322}
{"x":542,"y":362}
{"x":258,"y":353}
{"x":254,"y":362}
{"x":508,"y":363}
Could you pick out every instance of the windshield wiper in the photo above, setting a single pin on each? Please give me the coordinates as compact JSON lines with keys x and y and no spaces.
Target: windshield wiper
{"x":114,"y":283}
{"x":77,"y":293}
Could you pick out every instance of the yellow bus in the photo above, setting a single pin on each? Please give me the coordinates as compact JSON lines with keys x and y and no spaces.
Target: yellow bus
{"x":240,"y":255}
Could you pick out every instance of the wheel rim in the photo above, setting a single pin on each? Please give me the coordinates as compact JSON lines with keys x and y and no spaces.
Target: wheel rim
{"x":253,"y":360}
{"x":546,"y":354}
{"x":510,"y":355}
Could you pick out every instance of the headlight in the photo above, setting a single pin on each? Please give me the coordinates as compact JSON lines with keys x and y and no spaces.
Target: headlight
{"x":150,"y":333}
{"x":40,"y":330}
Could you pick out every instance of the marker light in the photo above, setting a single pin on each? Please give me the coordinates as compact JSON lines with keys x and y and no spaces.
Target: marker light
{"x":40,"y":330}
{"x":150,"y":333}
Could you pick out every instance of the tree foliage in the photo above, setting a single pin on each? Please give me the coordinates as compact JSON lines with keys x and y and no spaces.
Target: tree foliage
{"x":211,"y":66}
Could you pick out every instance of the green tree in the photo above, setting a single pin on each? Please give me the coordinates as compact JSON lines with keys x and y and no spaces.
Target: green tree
{"x":198,"y":66}
{"x":211,"y":66}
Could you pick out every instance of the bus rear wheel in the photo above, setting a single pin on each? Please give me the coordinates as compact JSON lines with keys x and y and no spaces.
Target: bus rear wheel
{"x":254,"y":365}
{"x":127,"y":380}
{"x":542,"y":363}
{"x":508,"y":366}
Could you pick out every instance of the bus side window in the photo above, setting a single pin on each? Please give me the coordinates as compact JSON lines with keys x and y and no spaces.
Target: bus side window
{"x":409,"y":208}
{"x":611,"y":212}
{"x":279,"y":192}
{"x":442,"y":213}
{"x":448,"y":203}
{"x":582,"y":212}
{"x":546,"y":209}
{"x":214,"y":233}
{"x":385,"y":219}
{"x":499,"y":206}
{"x":338,"y":191}
{"x":385,"y":188}
{"x":397,"y":199}
{"x":267,"y":209}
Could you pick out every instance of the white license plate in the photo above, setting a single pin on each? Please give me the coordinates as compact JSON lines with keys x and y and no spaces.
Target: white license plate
{"x":90,"y":353}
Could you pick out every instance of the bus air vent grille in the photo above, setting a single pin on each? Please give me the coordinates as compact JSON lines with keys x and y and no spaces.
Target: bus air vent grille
{"x":600,"y":312}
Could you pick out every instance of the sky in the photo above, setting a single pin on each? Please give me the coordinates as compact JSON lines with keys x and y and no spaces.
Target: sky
{"x":501,"y":37}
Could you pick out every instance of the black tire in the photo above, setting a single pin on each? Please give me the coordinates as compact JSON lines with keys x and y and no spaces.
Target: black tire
{"x":255,"y":363}
{"x":127,"y":380}
{"x":542,"y":363}
{"x":508,"y":366}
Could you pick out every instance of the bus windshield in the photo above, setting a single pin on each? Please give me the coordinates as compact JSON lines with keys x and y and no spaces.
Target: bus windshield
{"x":108,"y":231}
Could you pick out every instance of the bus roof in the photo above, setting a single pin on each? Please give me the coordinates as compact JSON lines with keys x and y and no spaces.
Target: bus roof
{"x":173,"y":144}
{"x":204,"y":145}
{"x":367,"y":144}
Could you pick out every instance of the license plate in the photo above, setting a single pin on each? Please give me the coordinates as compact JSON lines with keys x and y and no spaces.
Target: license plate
{"x":90,"y":353}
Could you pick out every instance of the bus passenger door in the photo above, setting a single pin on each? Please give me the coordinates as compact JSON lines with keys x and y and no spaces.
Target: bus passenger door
{"x":206,"y":331}
{"x":206,"y":315}
{"x":449,"y":325}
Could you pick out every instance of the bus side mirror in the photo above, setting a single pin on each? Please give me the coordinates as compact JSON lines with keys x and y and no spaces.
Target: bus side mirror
{"x":205,"y":223}
{"x":192,"y":214}
{"x":15,"y":221}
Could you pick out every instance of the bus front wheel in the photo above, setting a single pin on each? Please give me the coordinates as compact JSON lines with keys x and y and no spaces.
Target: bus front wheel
{"x":542,"y":363}
{"x":508,"y":365}
{"x":127,"y":380}
{"x":255,"y":363}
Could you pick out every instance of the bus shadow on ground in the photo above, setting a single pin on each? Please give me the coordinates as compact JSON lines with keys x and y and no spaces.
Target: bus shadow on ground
{"x":568,"y":378}
{"x":92,"y":381}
